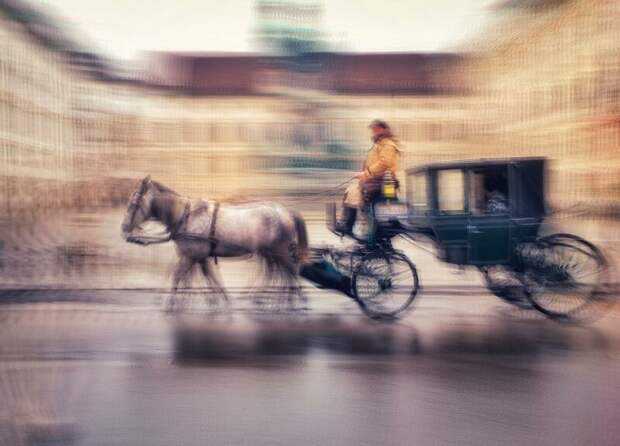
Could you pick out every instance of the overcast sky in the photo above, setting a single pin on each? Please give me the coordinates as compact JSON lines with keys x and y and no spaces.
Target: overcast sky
{"x":123,"y":28}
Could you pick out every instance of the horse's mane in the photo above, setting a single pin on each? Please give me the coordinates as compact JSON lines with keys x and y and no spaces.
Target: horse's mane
{"x":238,"y":199}
{"x":231,"y":199}
{"x":161,"y":188}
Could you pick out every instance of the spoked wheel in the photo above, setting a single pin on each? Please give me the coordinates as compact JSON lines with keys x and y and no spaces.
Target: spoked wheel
{"x":385,"y":283}
{"x":506,"y":284}
{"x":565,"y":275}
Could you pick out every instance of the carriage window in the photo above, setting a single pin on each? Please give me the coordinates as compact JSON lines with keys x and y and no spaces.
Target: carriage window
{"x":418,"y":193}
{"x":489,"y":190}
{"x":450,"y":193}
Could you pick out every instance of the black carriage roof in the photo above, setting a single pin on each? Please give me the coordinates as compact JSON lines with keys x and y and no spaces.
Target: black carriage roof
{"x":472,"y":164}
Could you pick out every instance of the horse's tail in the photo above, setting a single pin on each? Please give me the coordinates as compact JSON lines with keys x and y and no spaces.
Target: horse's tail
{"x":302,"y":237}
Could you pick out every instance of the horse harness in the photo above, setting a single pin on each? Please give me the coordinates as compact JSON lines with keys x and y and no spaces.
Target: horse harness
{"x":213,"y":240}
{"x":181,"y":232}
{"x":135,"y":203}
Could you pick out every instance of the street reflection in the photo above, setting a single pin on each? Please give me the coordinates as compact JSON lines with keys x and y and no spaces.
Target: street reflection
{"x":65,"y":368}
{"x":219,"y":339}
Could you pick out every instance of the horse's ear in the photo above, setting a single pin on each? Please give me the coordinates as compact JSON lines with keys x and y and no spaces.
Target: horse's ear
{"x":146,"y":181}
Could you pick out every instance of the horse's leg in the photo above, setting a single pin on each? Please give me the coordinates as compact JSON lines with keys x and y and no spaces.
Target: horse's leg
{"x":182,"y":270}
{"x":255,"y":289}
{"x":292,"y":267}
{"x":275,"y":289}
{"x":267,"y":271}
{"x":280,"y":285}
{"x":212,"y":278}
{"x":295,"y":286}
{"x":287,"y":256}
{"x":251,"y":287}
{"x":217,"y":280}
{"x":288,"y":273}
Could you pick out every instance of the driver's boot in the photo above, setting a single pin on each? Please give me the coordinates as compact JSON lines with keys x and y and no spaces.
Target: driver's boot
{"x":345,"y":225}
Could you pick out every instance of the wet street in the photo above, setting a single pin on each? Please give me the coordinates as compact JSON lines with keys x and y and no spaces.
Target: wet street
{"x":456,"y":370}
{"x":103,"y":365}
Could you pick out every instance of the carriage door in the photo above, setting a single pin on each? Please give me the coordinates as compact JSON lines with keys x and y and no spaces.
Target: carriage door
{"x":488,"y":228}
{"x":450,"y":220}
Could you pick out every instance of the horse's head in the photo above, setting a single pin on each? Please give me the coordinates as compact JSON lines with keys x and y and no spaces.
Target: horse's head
{"x":139,"y":207}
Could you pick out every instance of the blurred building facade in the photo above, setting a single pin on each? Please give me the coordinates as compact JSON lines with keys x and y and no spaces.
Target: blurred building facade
{"x":287,"y":124}
{"x":63,"y":116}
{"x":544,"y":82}
{"x":36,"y":139}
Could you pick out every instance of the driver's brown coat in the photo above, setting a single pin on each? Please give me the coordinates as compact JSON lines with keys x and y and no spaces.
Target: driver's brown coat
{"x":384,"y":155}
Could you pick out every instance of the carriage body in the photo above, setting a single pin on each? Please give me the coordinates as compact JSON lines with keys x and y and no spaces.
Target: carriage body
{"x":477,"y":212}
{"x":486,"y":214}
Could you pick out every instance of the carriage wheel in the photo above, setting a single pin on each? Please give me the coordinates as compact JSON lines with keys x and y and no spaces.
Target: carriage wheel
{"x":506,"y":284}
{"x":565,"y":275}
{"x":385,"y":283}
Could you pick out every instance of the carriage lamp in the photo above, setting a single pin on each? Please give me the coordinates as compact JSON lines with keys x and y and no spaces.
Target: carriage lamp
{"x":389,"y":185}
{"x":389,"y":190}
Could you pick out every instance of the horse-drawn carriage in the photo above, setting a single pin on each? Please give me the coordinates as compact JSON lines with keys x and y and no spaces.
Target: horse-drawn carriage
{"x":484,"y":214}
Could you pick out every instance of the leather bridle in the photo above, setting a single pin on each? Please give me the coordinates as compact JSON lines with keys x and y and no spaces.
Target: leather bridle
{"x":136,"y":203}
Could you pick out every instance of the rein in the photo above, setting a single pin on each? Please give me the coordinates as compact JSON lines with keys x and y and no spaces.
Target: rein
{"x":136,"y":203}
{"x":149,"y":239}
{"x":317,"y":195}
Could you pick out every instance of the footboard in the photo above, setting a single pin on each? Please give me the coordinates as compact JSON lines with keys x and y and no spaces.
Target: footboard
{"x":324,"y":275}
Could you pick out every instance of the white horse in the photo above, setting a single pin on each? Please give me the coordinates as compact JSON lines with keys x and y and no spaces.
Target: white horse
{"x":204,"y":230}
